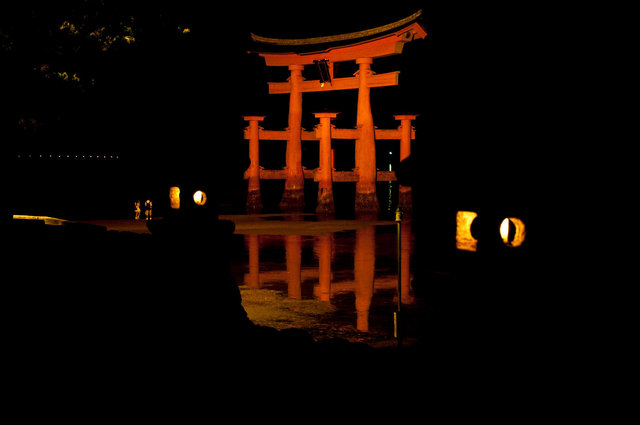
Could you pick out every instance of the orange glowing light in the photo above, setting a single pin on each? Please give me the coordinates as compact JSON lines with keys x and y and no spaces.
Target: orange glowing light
{"x":200,"y":198}
{"x":512,"y":231}
{"x":504,"y":230}
{"x":464,"y":240}
{"x":174,"y":197}
{"x":49,"y":221}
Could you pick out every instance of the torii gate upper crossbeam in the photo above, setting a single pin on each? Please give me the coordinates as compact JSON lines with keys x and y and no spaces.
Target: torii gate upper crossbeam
{"x":377,"y":80}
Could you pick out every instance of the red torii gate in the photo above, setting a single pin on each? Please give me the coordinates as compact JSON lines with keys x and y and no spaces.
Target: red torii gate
{"x":378,"y":42}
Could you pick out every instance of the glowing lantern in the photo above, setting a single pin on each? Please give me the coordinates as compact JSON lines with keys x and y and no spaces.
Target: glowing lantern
{"x":504,"y":230}
{"x":464,"y":240}
{"x":200,"y":198}
{"x":174,"y":197}
{"x":512,"y":231}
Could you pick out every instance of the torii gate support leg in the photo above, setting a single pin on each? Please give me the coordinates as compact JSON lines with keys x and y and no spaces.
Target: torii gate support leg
{"x":254,"y":200}
{"x":325,"y":171}
{"x":404,"y":196}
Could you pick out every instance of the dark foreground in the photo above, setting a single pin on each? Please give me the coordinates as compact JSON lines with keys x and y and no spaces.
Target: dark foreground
{"x":79,"y":296}
{"x":98,"y":312}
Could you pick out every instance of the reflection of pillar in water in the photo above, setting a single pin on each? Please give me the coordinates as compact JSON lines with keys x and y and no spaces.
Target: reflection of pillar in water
{"x":293,"y":248}
{"x":405,"y":261}
{"x":364,"y":267}
{"x":254,"y":260}
{"x":323,"y":251}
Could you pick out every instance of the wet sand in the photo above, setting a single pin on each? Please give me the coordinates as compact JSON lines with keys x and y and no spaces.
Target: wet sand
{"x":261,"y":224}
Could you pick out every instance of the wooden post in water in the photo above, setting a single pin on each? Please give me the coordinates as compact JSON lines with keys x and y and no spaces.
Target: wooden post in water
{"x":406,"y":130}
{"x":254,"y":200}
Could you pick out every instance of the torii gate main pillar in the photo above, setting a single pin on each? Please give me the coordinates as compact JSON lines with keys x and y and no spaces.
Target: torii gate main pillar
{"x":293,"y":196}
{"x":366,"y":198}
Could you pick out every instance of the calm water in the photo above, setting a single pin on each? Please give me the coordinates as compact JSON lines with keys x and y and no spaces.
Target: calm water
{"x":324,"y":279}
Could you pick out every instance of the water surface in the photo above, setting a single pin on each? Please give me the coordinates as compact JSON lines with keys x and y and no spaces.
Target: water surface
{"x":336,"y":278}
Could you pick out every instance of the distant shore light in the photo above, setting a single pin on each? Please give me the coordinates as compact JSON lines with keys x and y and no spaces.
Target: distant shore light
{"x":464,"y":240}
{"x":512,"y":231}
{"x":174,"y":197}
{"x":200,"y":198}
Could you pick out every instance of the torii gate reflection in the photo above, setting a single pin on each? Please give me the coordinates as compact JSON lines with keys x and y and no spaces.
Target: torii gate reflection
{"x":366,"y":279}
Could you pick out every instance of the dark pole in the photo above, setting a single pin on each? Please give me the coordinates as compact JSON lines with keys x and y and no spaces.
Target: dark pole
{"x":396,"y":322}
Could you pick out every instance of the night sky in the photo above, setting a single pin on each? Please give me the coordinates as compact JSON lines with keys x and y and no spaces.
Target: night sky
{"x":164,"y":86}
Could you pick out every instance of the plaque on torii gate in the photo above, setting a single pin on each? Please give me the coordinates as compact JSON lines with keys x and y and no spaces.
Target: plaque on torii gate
{"x":362,"y":47}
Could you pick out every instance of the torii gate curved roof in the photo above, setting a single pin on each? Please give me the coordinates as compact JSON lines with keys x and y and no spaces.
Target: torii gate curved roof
{"x":376,"y":42}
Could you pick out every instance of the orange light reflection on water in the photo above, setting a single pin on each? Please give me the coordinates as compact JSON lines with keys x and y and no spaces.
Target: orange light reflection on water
{"x":359,"y":264}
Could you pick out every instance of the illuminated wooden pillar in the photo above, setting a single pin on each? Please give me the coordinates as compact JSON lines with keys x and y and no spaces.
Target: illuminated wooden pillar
{"x":254,"y":260}
{"x":404,"y":196}
{"x":325,"y":170}
{"x":366,"y":199}
{"x":293,"y":196}
{"x":323,"y":251}
{"x":254,"y":200}
{"x":364,"y":269}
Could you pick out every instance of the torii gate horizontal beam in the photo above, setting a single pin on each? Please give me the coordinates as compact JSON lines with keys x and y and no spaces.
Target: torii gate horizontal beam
{"x":349,"y":83}
{"x":337,"y":176}
{"x":336,"y":133}
{"x":387,"y":45}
